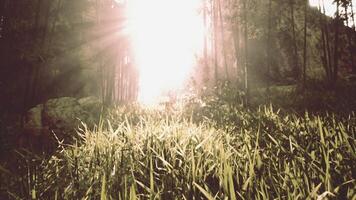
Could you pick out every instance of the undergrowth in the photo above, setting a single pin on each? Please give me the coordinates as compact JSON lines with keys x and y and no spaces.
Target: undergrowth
{"x":209,"y":151}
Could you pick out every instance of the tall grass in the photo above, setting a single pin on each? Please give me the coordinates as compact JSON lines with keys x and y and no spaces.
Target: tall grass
{"x":227,"y":153}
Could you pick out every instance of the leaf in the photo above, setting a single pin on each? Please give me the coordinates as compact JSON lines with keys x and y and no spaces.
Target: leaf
{"x":103,"y":188}
{"x":314,"y":193}
{"x":325,"y":195}
{"x":321,"y":131}
{"x":143,"y":186}
{"x":205,"y":193}
{"x":151,"y":178}
{"x":274,"y":140}
{"x":231,"y":184}
{"x":133,"y":195}
{"x":245,"y":185}
{"x":3,"y":169}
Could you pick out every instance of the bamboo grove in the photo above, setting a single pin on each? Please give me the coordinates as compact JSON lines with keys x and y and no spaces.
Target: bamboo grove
{"x":256,"y":43}
{"x":65,"y":48}
{"x":79,"y":48}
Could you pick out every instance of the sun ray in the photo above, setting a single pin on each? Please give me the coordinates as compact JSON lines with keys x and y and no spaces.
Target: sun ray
{"x":167,"y":36}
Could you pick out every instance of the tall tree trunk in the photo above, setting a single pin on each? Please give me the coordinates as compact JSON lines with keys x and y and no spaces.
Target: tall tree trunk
{"x":305,"y":42}
{"x":246,"y":75}
{"x":32,"y":84}
{"x":326,"y":58}
{"x":336,"y":44}
{"x":268,"y":46}
{"x":2,"y":18}
{"x":236,"y":38}
{"x":215,"y":38}
{"x":206,"y":63}
{"x":296,"y":69}
{"x":119,"y":89}
{"x":328,"y":49}
{"x":223,"y":40}
{"x":54,"y":22}
{"x":37,"y":17}
{"x":48,"y":4}
{"x":351,"y":39}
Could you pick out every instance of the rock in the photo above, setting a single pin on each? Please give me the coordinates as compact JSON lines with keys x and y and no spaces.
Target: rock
{"x":33,"y":121}
{"x":63,"y":115}
{"x":91,"y":104}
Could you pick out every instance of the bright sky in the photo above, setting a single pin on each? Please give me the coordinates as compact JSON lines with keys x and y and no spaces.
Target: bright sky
{"x":167,"y":35}
{"x":330,"y":8}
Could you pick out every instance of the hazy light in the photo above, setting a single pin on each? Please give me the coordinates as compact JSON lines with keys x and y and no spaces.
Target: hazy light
{"x":330,"y":7}
{"x":167,"y":36}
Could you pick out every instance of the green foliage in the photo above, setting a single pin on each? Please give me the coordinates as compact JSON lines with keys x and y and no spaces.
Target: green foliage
{"x":228,"y":153}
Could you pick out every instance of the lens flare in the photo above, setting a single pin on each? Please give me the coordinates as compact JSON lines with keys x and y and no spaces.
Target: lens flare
{"x":167,"y":36}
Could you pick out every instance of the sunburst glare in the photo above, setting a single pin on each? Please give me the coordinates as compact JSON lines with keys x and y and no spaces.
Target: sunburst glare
{"x":167,"y":37}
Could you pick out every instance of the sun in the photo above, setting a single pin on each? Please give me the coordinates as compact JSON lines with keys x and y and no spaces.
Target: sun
{"x":167,"y":37}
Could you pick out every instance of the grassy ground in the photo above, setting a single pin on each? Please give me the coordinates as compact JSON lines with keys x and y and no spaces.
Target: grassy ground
{"x":208,"y":151}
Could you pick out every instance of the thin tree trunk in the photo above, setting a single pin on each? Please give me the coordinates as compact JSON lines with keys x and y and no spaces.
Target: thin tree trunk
{"x":122,"y":81}
{"x":2,"y":18}
{"x":324,"y":57}
{"x":46,"y":22}
{"x":206,"y":63}
{"x":223,"y":39}
{"x":328,"y":50}
{"x":336,"y":44}
{"x":351,"y":44}
{"x":305,"y":42}
{"x":30,"y":69}
{"x":296,"y":69}
{"x":326,"y":42}
{"x":215,"y":38}
{"x":119,"y":88}
{"x":37,"y":18}
{"x":102,"y":86}
{"x":349,"y":37}
{"x":56,"y":16}
{"x":268,"y":46}
{"x":34,"y":72}
{"x":247,"y":85}
{"x":236,"y":37}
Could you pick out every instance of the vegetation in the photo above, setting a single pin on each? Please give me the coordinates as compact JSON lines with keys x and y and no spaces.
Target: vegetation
{"x":78,"y":48}
{"x":271,"y":114}
{"x":220,"y":151}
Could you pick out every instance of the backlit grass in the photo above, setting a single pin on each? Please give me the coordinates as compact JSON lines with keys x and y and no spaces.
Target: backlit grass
{"x":141,"y":154}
